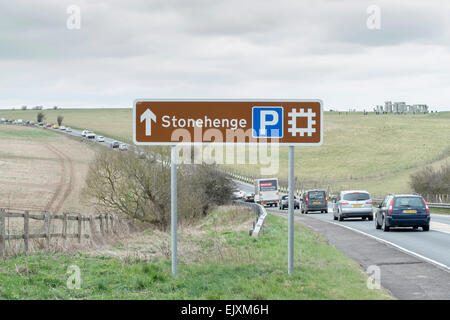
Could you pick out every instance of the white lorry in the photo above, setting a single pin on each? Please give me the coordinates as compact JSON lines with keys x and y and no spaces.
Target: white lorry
{"x":266,"y":191}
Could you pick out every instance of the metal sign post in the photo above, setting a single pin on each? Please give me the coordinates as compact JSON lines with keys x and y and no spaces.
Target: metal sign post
{"x":173,"y":207}
{"x":291,"y":212}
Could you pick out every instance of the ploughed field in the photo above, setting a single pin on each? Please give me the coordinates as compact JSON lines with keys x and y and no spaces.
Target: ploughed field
{"x":41,"y":170}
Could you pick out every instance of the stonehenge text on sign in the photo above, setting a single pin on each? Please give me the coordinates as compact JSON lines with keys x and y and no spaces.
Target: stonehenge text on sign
{"x":169,"y":122}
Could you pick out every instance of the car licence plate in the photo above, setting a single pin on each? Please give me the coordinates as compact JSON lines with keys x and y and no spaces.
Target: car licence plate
{"x":316,"y":202}
{"x":356,"y":205}
{"x":409,"y":211}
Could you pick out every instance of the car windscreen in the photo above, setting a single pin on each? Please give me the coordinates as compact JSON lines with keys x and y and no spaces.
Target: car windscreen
{"x":268,"y":185}
{"x":408,"y":202}
{"x":356,"y":196}
{"x":316,"y":194}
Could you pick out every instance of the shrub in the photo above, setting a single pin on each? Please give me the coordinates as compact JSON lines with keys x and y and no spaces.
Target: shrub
{"x":432,"y":181}
{"x":138,"y":187}
{"x":40,"y":117}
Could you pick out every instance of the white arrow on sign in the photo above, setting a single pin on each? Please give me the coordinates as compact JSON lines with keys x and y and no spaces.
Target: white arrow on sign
{"x":148,"y":116}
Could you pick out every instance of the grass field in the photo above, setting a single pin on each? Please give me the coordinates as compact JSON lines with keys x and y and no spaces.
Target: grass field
{"x":114,"y":123}
{"x":440,"y":211}
{"x":255,"y":270}
{"x":9,"y":133}
{"x":374,"y":152}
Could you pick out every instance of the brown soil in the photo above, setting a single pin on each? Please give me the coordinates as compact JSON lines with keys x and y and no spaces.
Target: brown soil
{"x":43,"y":173}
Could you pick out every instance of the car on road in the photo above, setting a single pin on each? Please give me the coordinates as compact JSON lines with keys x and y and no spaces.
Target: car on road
{"x":123,"y":147}
{"x":68,"y":129}
{"x":249,"y":197}
{"x":48,"y":125}
{"x":90,"y":135}
{"x":314,"y":200}
{"x":55,"y":126}
{"x":62,"y":128}
{"x":115,"y":144}
{"x":284,"y":202}
{"x":353,"y":204}
{"x":100,"y":139}
{"x":403,"y":210}
{"x":239,"y":194}
{"x":83,"y":133}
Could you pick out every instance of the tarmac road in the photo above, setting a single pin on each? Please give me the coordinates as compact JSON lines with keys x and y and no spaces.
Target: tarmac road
{"x":432,"y":246}
{"x":413,"y":264}
{"x":77,"y":133}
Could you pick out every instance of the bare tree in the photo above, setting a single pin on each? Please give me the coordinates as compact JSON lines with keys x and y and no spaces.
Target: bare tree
{"x":137,"y":185}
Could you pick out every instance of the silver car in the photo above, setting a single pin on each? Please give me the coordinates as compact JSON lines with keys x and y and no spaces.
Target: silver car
{"x":353,"y":204}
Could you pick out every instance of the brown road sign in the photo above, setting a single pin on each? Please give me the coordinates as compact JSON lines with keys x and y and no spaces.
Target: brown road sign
{"x":169,"y":122}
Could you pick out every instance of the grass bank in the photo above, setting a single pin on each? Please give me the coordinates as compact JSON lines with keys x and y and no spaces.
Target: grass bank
{"x":440,"y":210}
{"x":249,"y":269}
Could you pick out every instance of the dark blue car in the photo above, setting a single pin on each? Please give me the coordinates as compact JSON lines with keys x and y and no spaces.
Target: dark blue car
{"x":403,"y":211}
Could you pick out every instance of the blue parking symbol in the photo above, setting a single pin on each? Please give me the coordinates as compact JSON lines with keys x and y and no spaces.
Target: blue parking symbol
{"x":267,"y":122}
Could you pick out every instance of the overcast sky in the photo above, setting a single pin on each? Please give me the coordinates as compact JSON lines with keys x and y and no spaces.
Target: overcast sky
{"x":224,"y":49}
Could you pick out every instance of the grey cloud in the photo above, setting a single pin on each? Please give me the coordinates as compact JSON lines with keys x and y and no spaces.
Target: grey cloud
{"x":220,"y":49}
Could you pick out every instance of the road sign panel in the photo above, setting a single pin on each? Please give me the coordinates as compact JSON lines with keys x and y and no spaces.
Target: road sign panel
{"x":169,"y":122}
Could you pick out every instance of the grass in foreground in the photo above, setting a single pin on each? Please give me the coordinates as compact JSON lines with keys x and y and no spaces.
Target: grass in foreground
{"x":321,"y":272}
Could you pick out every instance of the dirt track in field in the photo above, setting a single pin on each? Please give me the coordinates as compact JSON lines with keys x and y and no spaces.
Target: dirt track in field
{"x":65,"y":185}
{"x":42,"y":173}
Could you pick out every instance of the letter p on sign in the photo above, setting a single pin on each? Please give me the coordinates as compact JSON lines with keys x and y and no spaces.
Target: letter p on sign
{"x":267,"y":122}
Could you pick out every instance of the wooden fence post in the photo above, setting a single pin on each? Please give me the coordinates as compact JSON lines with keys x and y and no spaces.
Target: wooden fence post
{"x":26,"y":230}
{"x":112,"y":224}
{"x":80,"y":219}
{"x":107,"y":223}
{"x":101,"y":224}
{"x":47,"y":230}
{"x":2,"y":233}
{"x":64,"y":227}
{"x":91,"y":235}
